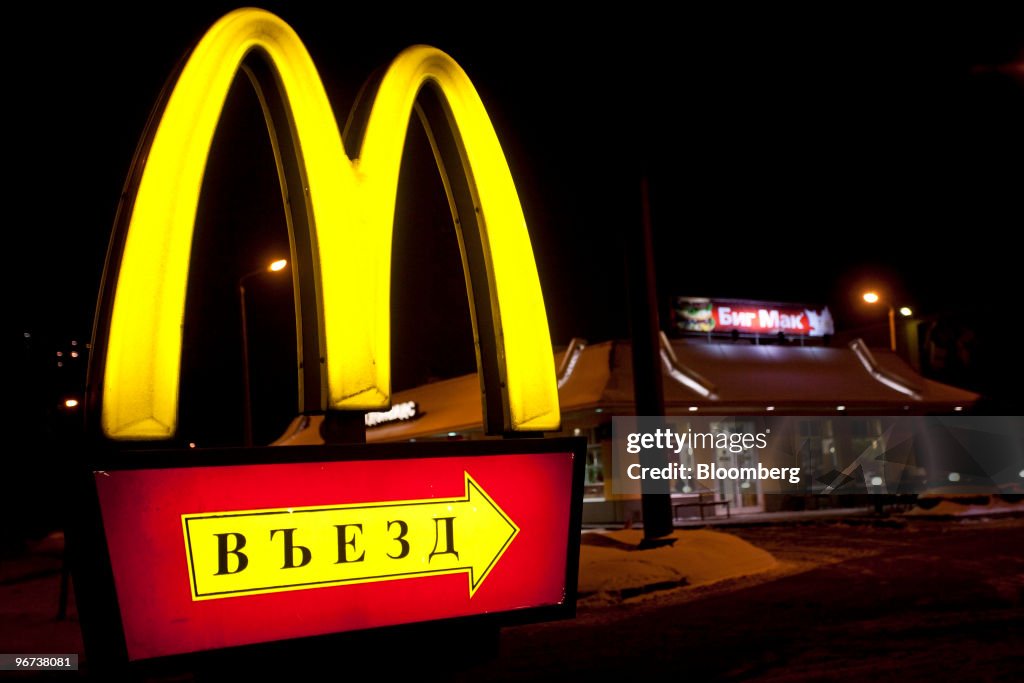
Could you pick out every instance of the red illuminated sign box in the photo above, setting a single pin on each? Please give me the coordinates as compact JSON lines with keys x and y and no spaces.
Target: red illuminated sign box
{"x":198,"y":551}
{"x":692,"y":315}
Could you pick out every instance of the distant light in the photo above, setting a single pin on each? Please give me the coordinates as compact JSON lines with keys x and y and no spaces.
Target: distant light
{"x":876,"y":481}
{"x":191,"y":444}
{"x":598,"y":410}
{"x":840,"y":407}
{"x":770,"y":408}
{"x":694,"y":409}
{"x":28,"y":335}
{"x":871,"y":297}
{"x":59,"y":354}
{"x":1021,"y":474}
{"x":687,"y":489}
{"x":412,"y":440}
{"x":954,"y":476}
{"x":74,"y":342}
{"x":745,"y":485}
{"x":71,"y":403}
{"x":906,"y":312}
{"x":832,"y":449}
{"x":60,"y":364}
{"x":74,"y":354}
{"x":958,"y":409}
{"x":453,"y":434}
{"x":576,"y":432}
{"x":279,"y":264}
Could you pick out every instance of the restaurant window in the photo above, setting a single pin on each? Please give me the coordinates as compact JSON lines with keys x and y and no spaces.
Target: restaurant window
{"x":685,"y":460}
{"x":742,"y":493}
{"x":816,"y":446}
{"x":867,"y":444}
{"x":593,"y":478}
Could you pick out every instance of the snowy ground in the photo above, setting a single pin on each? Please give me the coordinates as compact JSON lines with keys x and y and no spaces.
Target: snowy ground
{"x":857,"y":600}
{"x":952,"y":505}
{"x":612,"y":568}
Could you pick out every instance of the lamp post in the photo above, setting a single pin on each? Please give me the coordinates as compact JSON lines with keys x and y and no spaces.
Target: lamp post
{"x":274,"y":267}
{"x":872,"y":297}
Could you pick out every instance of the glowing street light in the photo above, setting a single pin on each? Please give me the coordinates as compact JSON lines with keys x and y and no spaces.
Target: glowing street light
{"x":71,"y":403}
{"x":872,"y":297}
{"x":274,"y":267}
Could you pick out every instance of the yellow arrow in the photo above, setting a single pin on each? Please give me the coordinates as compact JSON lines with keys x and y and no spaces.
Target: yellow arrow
{"x":267,"y":551}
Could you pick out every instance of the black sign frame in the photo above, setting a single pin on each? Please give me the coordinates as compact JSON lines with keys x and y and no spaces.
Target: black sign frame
{"x":96,"y":595}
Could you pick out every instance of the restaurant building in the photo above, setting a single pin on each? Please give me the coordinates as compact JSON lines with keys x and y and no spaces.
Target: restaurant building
{"x":741,"y":377}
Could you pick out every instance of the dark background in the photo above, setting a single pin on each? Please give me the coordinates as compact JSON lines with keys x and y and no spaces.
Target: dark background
{"x":792,"y":155}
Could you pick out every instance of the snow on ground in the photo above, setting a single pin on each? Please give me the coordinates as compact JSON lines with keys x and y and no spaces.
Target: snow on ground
{"x":964,"y":506}
{"x":612,"y":566}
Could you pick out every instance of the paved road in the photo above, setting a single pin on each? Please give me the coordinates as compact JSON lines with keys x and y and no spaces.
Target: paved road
{"x":925,"y":601}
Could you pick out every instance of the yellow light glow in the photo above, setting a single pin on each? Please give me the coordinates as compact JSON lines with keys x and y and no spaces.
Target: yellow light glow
{"x":352,"y":214}
{"x":484,"y":533}
{"x":71,"y":403}
{"x":360,"y":375}
{"x":906,"y":312}
{"x":871,"y":297}
{"x":277,"y":265}
{"x":140,"y":397}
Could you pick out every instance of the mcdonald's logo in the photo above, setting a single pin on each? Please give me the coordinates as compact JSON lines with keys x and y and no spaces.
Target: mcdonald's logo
{"x":339,"y":199}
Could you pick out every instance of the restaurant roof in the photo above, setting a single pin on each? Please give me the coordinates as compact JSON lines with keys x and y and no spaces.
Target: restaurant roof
{"x":724,"y":379}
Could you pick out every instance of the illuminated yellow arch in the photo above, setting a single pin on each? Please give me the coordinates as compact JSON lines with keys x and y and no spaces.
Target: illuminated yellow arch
{"x":342,"y":224}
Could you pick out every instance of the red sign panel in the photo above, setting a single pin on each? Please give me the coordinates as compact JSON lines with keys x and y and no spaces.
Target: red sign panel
{"x":693,"y":315}
{"x":212,"y":557}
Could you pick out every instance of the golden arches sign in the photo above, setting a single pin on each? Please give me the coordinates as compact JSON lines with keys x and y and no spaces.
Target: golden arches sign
{"x":340,"y":215}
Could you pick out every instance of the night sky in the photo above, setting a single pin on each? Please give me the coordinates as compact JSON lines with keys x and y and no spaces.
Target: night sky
{"x":791,"y":157}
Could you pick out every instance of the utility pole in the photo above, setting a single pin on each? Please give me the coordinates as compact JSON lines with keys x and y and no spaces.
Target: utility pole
{"x":648,"y":390}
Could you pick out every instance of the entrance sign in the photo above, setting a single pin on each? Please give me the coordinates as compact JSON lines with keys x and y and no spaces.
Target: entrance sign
{"x":340,"y":202}
{"x":207,"y":553}
{"x":183,"y":552}
{"x":257,"y":550}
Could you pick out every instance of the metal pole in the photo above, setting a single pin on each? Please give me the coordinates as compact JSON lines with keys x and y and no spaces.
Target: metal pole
{"x":892,"y":329}
{"x":246,"y":399}
{"x":648,"y":391}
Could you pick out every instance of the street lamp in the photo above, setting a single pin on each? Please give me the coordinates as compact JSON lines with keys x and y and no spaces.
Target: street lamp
{"x":873,"y":297}
{"x":273,"y":267}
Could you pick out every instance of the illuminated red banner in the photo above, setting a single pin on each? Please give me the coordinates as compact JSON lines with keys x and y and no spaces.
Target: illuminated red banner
{"x":209,"y":557}
{"x":694,"y":315}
